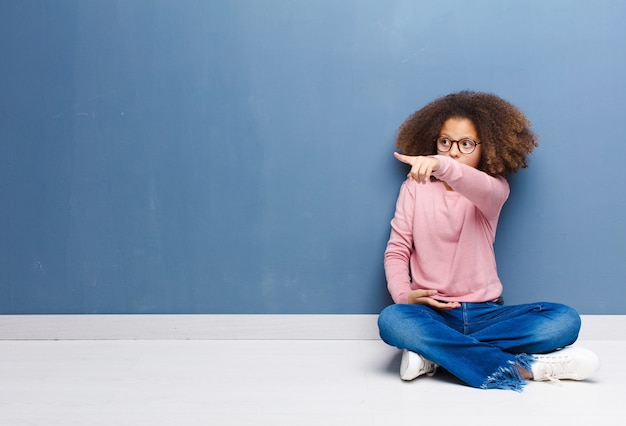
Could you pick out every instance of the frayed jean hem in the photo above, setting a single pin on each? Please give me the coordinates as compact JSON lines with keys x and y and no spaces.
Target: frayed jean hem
{"x":509,"y":377}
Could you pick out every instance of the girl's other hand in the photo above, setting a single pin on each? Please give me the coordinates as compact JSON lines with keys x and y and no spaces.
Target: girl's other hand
{"x":425,"y":297}
{"x":421,"y":167}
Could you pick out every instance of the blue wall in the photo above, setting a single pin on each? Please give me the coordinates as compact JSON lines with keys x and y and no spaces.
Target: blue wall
{"x":165,"y":156}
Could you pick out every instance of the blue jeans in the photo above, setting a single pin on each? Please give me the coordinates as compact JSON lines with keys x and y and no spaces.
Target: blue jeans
{"x":481,"y":343}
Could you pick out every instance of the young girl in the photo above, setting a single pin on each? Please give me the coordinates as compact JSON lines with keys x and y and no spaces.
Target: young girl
{"x":440,"y":262}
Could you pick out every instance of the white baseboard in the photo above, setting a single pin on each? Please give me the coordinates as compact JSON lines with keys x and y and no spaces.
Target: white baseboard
{"x":232,"y":327}
{"x":215,"y":327}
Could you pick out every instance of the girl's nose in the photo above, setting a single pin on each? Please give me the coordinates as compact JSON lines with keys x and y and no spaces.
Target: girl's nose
{"x":454,"y":150}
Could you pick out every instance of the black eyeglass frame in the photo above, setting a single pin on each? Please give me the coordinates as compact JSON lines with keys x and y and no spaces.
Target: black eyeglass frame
{"x":458,"y":144}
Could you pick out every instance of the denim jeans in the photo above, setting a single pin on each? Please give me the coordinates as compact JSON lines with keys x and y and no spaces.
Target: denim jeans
{"x":481,"y":343}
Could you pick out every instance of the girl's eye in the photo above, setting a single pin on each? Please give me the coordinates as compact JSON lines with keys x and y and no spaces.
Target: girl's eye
{"x":467,"y":143}
{"x":445,"y":142}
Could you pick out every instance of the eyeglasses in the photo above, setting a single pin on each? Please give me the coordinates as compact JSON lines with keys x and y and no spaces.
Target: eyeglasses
{"x":465,"y":145}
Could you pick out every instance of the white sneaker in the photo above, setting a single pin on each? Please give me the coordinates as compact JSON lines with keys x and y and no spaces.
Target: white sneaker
{"x":571,"y":363}
{"x":414,"y":365}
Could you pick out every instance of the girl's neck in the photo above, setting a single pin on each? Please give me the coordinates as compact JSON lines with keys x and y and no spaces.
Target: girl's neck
{"x":434,"y":179}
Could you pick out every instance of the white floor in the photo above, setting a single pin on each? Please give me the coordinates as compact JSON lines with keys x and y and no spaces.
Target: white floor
{"x":275,"y":382}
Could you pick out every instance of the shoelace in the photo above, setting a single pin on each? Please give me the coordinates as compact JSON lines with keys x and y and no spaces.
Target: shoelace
{"x":552,"y":368}
{"x":429,"y":368}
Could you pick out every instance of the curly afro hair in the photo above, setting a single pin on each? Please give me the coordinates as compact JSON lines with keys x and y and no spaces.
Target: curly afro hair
{"x":503,"y":130}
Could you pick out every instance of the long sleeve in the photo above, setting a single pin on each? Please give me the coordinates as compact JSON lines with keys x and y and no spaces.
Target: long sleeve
{"x":399,"y":247}
{"x":488,"y":193}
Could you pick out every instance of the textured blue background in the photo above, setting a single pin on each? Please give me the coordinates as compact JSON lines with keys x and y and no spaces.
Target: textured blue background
{"x":165,"y":156}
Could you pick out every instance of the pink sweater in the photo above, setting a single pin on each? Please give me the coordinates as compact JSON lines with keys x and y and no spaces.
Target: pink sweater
{"x":443,"y":240}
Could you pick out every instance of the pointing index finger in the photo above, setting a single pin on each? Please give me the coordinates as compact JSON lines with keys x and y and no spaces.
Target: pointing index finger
{"x":404,"y":158}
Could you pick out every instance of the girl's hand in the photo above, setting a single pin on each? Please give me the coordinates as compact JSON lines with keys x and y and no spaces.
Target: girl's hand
{"x":421,"y":167}
{"x":425,"y":297}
